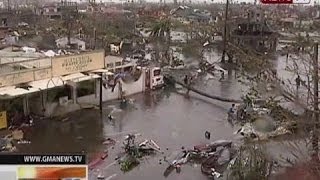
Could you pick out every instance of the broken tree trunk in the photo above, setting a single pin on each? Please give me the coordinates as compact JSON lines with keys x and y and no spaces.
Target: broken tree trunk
{"x":315,"y":135}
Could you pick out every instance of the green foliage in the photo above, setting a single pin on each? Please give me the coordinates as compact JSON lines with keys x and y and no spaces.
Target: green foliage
{"x":250,"y":164}
{"x":128,"y":164}
{"x":160,"y":28}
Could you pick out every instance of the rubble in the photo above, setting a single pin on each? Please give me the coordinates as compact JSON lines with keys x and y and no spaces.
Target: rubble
{"x":135,"y":151}
{"x":101,"y":177}
{"x":210,"y":156}
{"x":17,"y":135}
{"x":248,"y":131}
{"x":6,"y":144}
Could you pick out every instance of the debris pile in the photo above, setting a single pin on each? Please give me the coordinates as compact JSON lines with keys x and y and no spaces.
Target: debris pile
{"x":9,"y":142}
{"x":135,"y":151}
{"x":213,"y":157}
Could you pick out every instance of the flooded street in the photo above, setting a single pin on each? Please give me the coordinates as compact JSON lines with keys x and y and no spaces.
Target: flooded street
{"x":175,"y":90}
{"x":170,"y":119}
{"x":166,"y":116}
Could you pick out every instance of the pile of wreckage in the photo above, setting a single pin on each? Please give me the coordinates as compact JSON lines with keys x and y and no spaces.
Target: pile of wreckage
{"x":250,"y":115}
{"x":217,"y":159}
{"x":9,"y":142}
{"x":213,"y":157}
{"x":134,"y":151}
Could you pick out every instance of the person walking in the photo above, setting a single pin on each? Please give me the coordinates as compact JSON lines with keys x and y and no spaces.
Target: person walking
{"x":222,"y":76}
{"x":298,"y":82}
{"x":186,"y":79}
{"x":231,"y":114}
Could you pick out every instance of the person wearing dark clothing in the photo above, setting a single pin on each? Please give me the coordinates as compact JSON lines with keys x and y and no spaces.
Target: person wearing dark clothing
{"x":298,"y":82}
{"x":222,"y":76}
{"x":231,"y":114}
{"x":232,"y":109}
{"x":186,"y":80}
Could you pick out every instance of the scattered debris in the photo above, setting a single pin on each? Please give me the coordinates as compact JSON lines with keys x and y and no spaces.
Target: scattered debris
{"x":135,"y":151}
{"x":98,"y":160}
{"x":65,"y":119}
{"x":17,"y":134}
{"x":101,"y":177}
{"x":209,"y":155}
{"x":110,"y":117}
{"x":24,"y":142}
{"x":6,"y":145}
{"x":109,"y":142}
{"x":110,"y":177}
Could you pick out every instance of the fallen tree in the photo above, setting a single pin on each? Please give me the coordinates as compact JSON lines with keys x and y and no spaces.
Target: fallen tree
{"x":171,"y":80}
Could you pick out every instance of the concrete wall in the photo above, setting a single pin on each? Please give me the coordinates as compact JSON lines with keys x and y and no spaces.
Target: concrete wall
{"x":108,"y":94}
{"x":55,"y":109}
{"x":134,"y":87}
{"x":39,"y":104}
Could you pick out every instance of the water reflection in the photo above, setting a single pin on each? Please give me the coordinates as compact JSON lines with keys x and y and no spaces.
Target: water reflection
{"x":81,"y":131}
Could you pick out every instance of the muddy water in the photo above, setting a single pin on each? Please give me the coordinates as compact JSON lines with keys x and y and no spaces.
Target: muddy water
{"x":168,"y":118}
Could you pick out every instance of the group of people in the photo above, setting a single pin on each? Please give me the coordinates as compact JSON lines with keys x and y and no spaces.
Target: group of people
{"x":242,"y":112}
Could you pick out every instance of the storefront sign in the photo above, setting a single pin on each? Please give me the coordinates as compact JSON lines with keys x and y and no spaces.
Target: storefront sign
{"x":24,"y":77}
{"x":42,"y":74}
{"x":12,"y":79}
{"x":77,"y":63}
{"x":3,"y":120}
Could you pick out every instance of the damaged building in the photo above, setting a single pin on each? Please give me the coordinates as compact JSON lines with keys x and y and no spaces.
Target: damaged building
{"x":254,"y":32}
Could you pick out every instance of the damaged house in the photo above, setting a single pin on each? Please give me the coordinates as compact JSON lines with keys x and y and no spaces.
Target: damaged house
{"x":58,"y":10}
{"x":254,"y":32}
{"x":186,"y":14}
{"x":73,"y":43}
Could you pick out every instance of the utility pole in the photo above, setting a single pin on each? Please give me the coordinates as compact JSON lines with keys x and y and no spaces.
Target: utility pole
{"x":225,"y":32}
{"x":95,"y":38}
{"x":8,"y":4}
{"x":315,"y":135}
{"x":101,"y":94}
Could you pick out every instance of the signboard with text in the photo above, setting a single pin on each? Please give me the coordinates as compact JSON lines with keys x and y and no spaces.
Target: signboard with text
{"x":3,"y":120}
{"x":77,"y":63}
{"x":12,"y":79}
{"x":24,"y":77}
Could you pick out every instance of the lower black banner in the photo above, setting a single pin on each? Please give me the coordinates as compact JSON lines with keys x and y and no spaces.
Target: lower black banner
{"x":43,"y":159}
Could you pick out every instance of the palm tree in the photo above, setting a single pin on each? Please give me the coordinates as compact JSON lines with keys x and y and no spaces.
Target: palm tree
{"x":160,"y":31}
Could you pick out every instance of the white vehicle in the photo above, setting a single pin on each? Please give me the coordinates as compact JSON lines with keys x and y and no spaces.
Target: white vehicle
{"x":156,"y":78}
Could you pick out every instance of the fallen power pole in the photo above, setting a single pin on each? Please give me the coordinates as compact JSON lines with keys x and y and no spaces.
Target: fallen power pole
{"x":173,"y":81}
{"x":225,"y":33}
{"x":315,"y":135}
